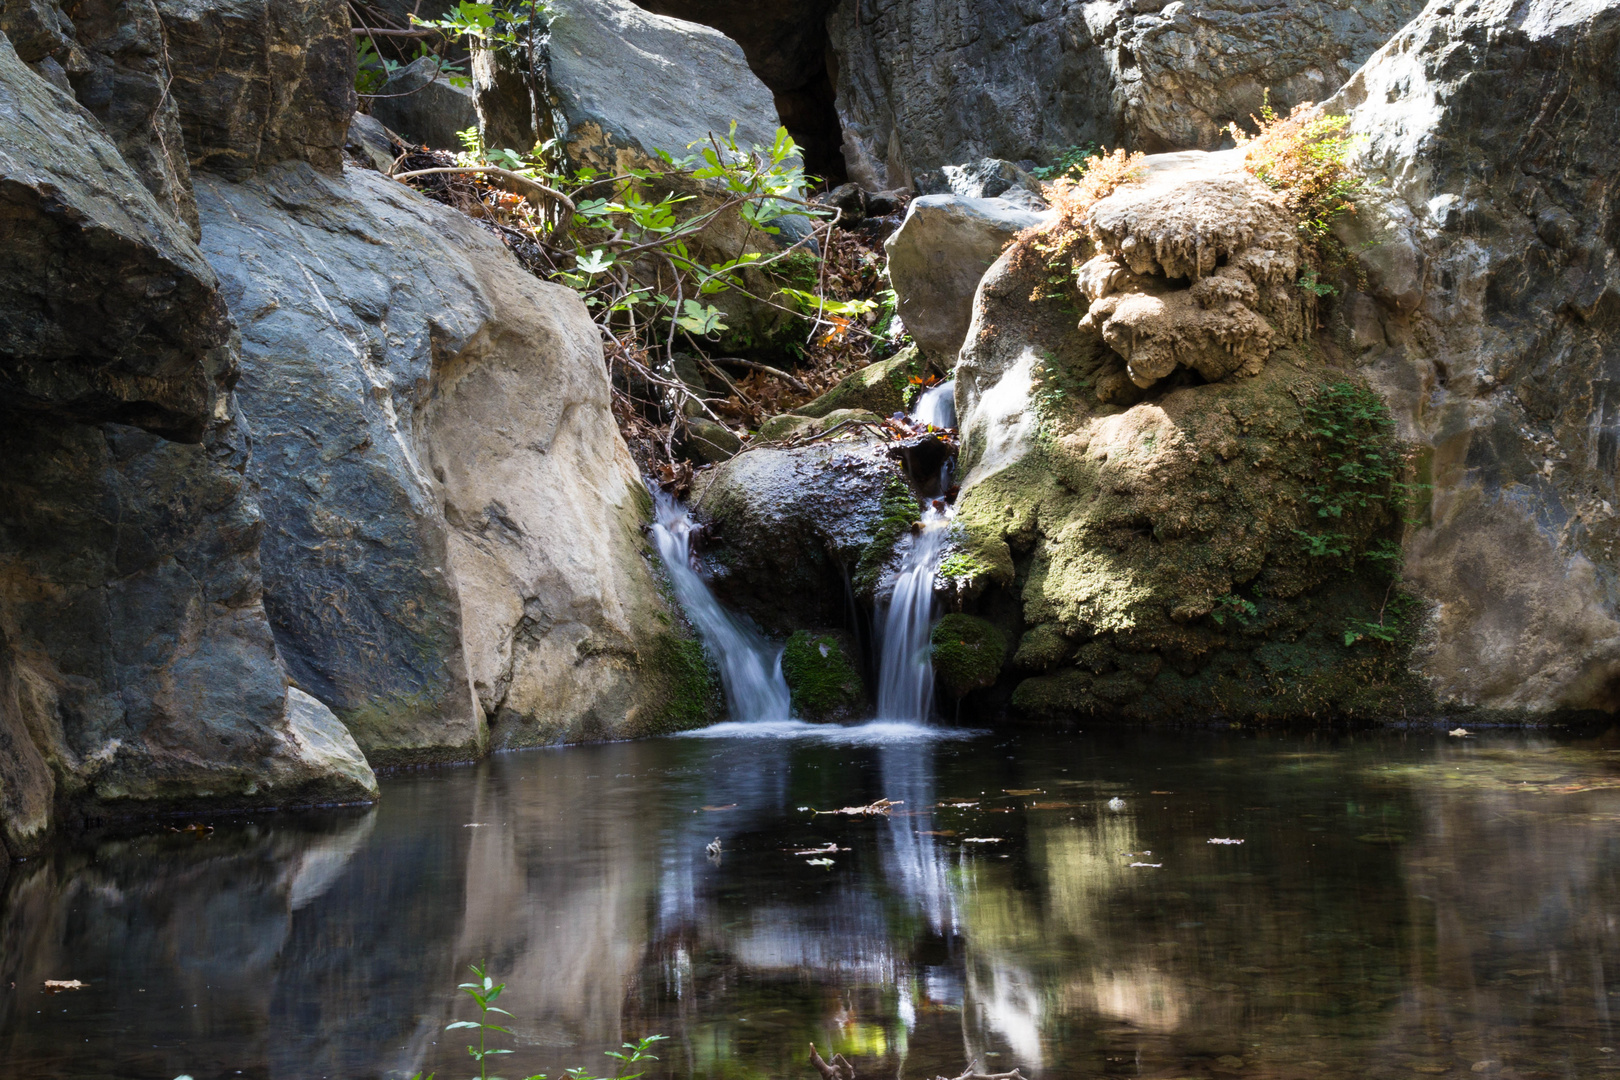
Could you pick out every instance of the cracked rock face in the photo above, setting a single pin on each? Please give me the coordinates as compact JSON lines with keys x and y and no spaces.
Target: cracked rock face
{"x":1193,"y":269}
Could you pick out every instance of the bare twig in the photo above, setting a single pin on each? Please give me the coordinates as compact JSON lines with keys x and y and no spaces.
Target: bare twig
{"x":377,"y":31}
{"x":505,"y":174}
{"x":838,"y":1069}
{"x":754,"y":365}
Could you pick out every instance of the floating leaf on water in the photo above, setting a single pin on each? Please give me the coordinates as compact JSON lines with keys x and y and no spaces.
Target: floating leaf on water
{"x":476,"y":825}
{"x":963,"y":805}
{"x":1022,"y":791}
{"x":1224,"y":840}
{"x":818,"y":862}
{"x":728,"y":806}
{"x":825,"y":849}
{"x":1459,"y":733}
{"x":981,"y":840}
{"x":1161,"y":793}
{"x":936,"y":832}
{"x":882,"y":806}
{"x":56,"y":986}
{"x":1149,"y":865}
{"x":1054,"y":806}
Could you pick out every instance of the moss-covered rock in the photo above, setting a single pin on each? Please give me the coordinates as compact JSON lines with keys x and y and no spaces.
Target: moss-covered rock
{"x":968,"y":653}
{"x":1171,"y":557}
{"x":709,"y":443}
{"x":793,"y":426}
{"x":681,"y":686}
{"x":878,"y":388}
{"x":825,"y":684}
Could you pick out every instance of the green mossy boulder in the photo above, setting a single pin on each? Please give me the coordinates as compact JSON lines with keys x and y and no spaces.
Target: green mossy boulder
{"x":878,"y":388}
{"x":968,"y":653}
{"x":793,"y":426}
{"x":824,"y":682}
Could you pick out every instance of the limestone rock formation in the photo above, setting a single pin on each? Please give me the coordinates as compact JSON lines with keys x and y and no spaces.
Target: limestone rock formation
{"x":1150,"y":552}
{"x":107,"y":310}
{"x":260,"y":81}
{"x":452,"y":515}
{"x":922,"y":84}
{"x":1490,"y":321}
{"x":1195,"y":266}
{"x":937,"y":257}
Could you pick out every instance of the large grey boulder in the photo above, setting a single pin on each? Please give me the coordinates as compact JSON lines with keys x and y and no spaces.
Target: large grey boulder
{"x":926,"y":83}
{"x":453,"y":518}
{"x":424,"y":106}
{"x":111,"y":57}
{"x":1491,"y":322}
{"x":937,"y":257}
{"x":137,"y":668}
{"x":260,"y":81}
{"x":623,"y":83}
{"x":107,"y":309}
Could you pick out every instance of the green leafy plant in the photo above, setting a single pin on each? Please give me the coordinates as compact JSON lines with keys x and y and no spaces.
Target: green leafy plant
{"x":483,"y":991}
{"x":1306,"y":156}
{"x":1235,"y":608}
{"x":1071,"y":162}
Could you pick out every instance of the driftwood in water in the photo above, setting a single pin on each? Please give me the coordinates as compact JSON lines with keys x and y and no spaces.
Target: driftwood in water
{"x":841,"y":1069}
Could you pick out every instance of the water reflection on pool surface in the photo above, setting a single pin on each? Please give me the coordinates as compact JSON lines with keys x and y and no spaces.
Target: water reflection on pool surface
{"x":1400,"y":905}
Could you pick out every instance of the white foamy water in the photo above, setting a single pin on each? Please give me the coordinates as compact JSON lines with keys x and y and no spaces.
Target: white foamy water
{"x":873,"y":732}
{"x":936,"y":406}
{"x":750,"y":666}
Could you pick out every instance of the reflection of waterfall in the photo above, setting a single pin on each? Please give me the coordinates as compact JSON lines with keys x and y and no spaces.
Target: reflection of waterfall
{"x":750,"y":667}
{"x":936,"y":406}
{"x":912,"y":859}
{"x":906,"y":665}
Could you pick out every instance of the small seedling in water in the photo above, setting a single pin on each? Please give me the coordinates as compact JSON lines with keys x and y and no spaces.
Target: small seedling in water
{"x":484,"y":991}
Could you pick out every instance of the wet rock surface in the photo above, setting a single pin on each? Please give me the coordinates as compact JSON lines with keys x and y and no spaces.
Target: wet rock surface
{"x":792,"y":534}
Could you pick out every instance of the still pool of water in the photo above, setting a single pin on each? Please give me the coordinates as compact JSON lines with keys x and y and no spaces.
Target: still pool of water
{"x":1401,"y":905}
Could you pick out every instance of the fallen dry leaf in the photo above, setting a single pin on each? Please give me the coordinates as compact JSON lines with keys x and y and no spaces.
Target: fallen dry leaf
{"x":55,"y":986}
{"x":882,"y":806}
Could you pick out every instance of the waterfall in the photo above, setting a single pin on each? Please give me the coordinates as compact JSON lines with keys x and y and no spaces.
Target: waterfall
{"x":906,"y":665}
{"x":750,"y":666}
{"x":936,"y":406}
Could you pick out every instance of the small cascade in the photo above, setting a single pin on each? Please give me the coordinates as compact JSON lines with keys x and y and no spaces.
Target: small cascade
{"x":936,"y":406}
{"x":750,"y":666}
{"x":906,"y":665}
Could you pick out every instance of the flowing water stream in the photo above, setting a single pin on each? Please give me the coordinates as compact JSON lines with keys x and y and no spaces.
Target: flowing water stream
{"x":750,"y":666}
